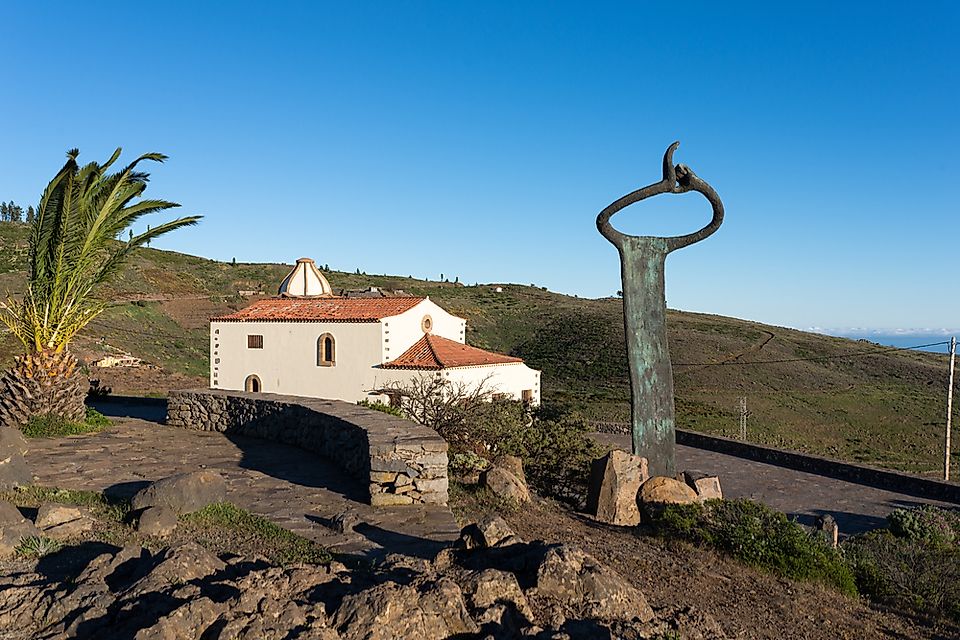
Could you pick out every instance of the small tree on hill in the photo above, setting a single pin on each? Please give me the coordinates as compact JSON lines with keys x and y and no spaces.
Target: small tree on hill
{"x":72,"y":253}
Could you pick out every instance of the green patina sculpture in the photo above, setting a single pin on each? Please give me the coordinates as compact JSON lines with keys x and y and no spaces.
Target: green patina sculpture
{"x":645,"y":313}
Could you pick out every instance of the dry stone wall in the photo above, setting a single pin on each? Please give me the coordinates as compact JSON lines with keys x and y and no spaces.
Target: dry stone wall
{"x":402,"y":462}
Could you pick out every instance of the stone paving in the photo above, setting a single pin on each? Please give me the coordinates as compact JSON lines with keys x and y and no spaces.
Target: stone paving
{"x":301,"y":492}
{"x":294,"y":488}
{"x":855,"y":507}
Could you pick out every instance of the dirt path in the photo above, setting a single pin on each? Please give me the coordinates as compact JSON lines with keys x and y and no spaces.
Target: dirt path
{"x":731,"y":357}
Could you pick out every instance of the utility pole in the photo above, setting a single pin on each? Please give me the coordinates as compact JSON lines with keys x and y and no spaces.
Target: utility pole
{"x":743,"y":418}
{"x":946,"y":451}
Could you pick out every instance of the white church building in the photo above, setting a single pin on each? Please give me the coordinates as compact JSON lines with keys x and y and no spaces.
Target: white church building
{"x":309,"y":342}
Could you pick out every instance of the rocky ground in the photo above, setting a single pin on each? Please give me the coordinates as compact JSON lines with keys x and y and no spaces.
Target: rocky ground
{"x":577,"y":579}
{"x":540,"y":571}
{"x":492,"y":584}
{"x":690,"y":585}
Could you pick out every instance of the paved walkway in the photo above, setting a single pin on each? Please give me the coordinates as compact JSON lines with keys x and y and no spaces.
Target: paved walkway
{"x":301,"y":492}
{"x":855,"y":507}
{"x":291,"y":487}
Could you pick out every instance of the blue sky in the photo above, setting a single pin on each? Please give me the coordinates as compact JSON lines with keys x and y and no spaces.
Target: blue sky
{"x":481,"y":140}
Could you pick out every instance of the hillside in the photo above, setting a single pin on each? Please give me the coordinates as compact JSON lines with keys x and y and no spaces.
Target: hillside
{"x":883,"y":408}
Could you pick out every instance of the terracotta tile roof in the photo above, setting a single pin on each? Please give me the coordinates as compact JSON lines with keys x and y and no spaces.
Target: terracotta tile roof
{"x":434,"y":352}
{"x":321,"y":310}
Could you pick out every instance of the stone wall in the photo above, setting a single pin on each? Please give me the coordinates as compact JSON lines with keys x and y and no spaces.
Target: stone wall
{"x":910,"y":484}
{"x":402,"y":462}
{"x":886,"y":479}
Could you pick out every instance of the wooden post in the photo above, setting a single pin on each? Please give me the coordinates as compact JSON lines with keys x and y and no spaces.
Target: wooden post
{"x":743,"y":418}
{"x":946,"y":452}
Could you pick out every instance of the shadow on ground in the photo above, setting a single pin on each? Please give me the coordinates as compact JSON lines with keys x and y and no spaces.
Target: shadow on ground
{"x":149,"y":409}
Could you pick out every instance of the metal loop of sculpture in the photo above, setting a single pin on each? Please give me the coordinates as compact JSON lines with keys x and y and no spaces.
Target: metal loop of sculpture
{"x":644,"y":312}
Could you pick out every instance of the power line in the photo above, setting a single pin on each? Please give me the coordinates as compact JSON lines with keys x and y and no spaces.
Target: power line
{"x":857,"y":354}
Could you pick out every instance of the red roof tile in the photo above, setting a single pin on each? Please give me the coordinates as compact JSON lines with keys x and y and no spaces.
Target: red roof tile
{"x":321,"y":310}
{"x":434,"y":352}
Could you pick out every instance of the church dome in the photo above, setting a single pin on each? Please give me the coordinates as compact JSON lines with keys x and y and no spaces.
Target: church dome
{"x":305,"y":281}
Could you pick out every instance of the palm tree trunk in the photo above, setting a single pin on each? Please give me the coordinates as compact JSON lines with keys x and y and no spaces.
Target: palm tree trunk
{"x":42,"y":383}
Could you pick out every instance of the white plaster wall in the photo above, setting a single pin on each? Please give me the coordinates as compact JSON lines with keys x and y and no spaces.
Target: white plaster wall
{"x":288,"y":361}
{"x":511,"y":379}
{"x":400,"y":332}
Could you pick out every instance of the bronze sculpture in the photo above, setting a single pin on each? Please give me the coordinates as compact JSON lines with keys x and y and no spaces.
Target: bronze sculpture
{"x":645,"y":309}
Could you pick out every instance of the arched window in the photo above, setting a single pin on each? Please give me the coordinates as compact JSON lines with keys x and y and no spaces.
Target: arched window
{"x":326,"y":351}
{"x":252,"y":384}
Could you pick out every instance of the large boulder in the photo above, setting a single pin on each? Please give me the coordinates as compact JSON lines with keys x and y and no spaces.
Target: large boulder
{"x":615,"y":480}
{"x":184,"y":492}
{"x":505,"y":484}
{"x":490,"y":588}
{"x":189,"y":620}
{"x":660,"y":491}
{"x":13,"y":528}
{"x":707,"y":487}
{"x":491,"y":531}
{"x":513,"y":464}
{"x":62,"y":521}
{"x":14,"y":471}
{"x":157,"y":521}
{"x":422,"y":611}
{"x":585,"y":587}
{"x":826,"y":527}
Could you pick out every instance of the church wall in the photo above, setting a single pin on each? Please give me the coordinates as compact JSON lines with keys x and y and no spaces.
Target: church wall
{"x":510,"y":379}
{"x":287,"y":363}
{"x":402,"y":331}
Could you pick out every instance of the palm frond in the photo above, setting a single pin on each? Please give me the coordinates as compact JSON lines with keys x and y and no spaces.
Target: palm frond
{"x":73,"y":249}
{"x":113,"y":264}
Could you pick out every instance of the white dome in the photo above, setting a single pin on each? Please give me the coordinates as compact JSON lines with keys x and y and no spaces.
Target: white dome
{"x":305,"y":281}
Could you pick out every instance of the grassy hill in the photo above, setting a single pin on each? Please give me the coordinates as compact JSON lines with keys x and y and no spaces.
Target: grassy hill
{"x":883,"y":408}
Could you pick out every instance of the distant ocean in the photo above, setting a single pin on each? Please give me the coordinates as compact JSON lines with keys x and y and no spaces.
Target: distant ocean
{"x":903,"y":341}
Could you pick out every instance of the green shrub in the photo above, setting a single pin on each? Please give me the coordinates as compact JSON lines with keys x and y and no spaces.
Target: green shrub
{"x":381,"y":407}
{"x":557,"y":454}
{"x":758,"y":536}
{"x":37,"y":546}
{"x":100,"y":505}
{"x":913,"y":565}
{"x":278,"y":544}
{"x":96,"y":419}
{"x":556,"y":449}
{"x":48,"y":426}
{"x":53,"y":426}
{"x":464,"y":463}
{"x":929,"y":523}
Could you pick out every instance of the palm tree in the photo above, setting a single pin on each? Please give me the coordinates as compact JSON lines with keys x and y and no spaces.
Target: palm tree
{"x":72,"y":253}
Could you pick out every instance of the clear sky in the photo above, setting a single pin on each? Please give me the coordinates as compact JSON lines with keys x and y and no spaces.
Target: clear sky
{"x":480,"y":140}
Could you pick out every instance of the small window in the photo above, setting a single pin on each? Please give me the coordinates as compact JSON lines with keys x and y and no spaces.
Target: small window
{"x":527,"y":395}
{"x":326,"y":351}
{"x":252,"y":384}
{"x":254,"y":342}
{"x":426,"y":324}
